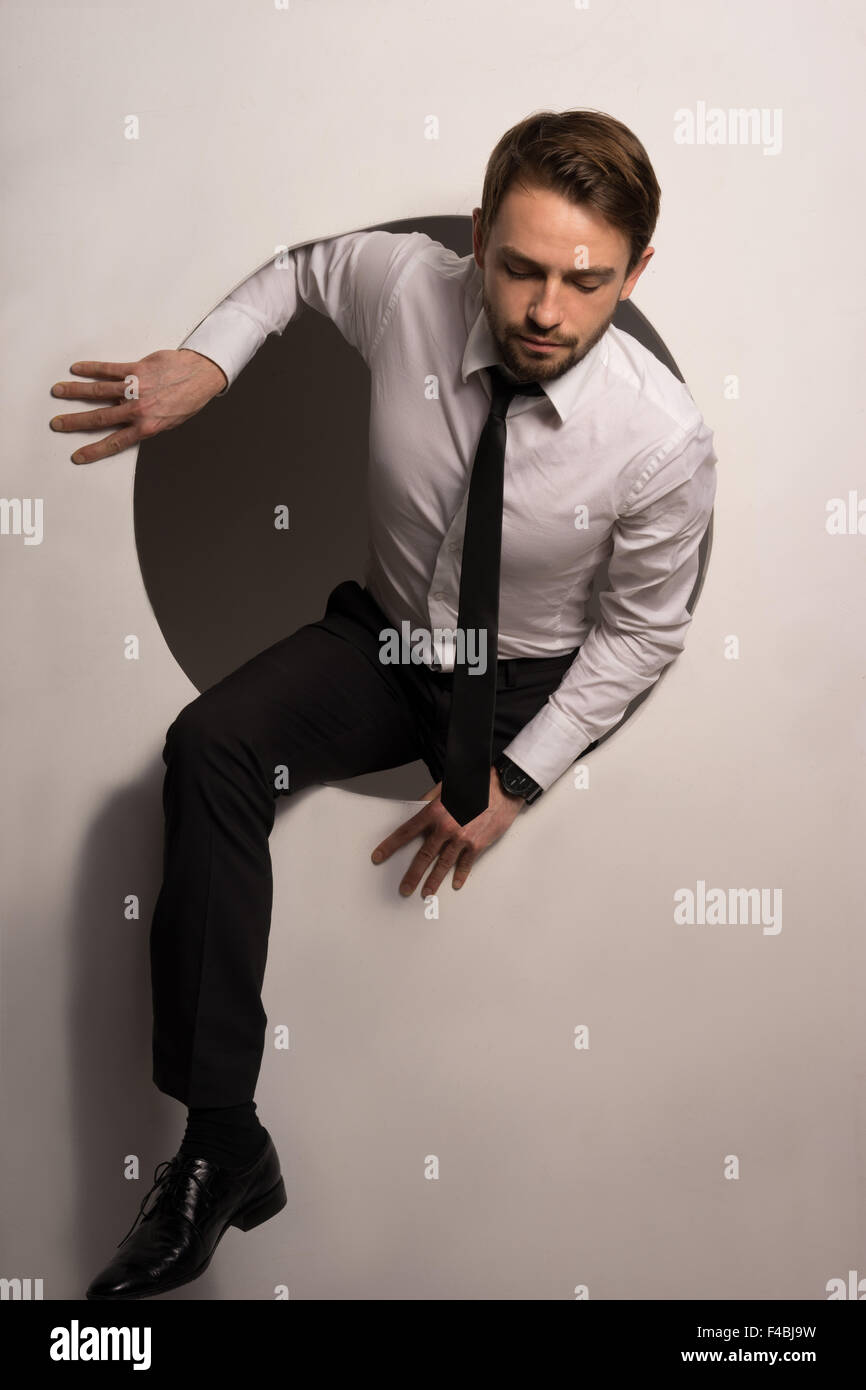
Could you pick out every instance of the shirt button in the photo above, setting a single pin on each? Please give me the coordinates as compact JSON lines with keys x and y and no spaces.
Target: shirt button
{"x":454,"y":545}
{"x":439,"y":594}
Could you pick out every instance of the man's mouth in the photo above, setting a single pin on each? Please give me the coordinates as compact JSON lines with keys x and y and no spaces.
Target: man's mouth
{"x":540,"y":344}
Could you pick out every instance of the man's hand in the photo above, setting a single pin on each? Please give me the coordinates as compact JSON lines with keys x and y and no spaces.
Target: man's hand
{"x":452,"y":844}
{"x":137,"y":399}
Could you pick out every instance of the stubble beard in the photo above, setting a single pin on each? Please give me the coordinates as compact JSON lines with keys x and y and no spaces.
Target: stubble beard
{"x":546,"y":368}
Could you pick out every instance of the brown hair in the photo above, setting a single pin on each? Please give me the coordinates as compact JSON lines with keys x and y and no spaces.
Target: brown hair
{"x":588,"y":157}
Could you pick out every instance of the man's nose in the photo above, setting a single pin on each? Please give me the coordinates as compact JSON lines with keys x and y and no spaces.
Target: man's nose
{"x":545,"y":309}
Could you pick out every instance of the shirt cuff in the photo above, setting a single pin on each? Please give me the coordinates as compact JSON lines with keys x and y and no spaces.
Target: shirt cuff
{"x":229,"y":337}
{"x":547,"y":746}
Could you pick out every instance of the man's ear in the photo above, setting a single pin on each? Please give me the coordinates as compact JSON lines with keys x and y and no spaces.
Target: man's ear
{"x":632,"y":279}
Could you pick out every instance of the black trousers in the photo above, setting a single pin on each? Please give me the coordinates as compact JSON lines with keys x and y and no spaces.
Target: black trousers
{"x":316,"y":706}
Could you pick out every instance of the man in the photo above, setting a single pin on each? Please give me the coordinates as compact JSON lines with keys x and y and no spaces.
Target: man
{"x":517,"y":440}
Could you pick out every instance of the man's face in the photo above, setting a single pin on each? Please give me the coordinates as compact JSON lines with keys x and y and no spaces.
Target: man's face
{"x":553,"y":271}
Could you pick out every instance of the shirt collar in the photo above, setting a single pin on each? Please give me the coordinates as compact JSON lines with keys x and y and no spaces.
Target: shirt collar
{"x":481,"y":351}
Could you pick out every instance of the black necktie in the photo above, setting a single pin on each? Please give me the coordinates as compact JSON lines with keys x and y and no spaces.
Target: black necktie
{"x":465,"y":788}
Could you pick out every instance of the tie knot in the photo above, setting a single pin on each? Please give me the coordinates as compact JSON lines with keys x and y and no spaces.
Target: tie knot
{"x":504,"y":390}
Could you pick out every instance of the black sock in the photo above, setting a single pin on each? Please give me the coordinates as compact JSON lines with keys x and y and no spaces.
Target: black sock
{"x":229,"y":1135}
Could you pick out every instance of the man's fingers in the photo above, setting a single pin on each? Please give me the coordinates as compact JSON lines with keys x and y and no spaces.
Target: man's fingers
{"x":114,"y":444}
{"x":447,"y":856}
{"x":109,"y":386}
{"x":463,"y":865}
{"x":451,"y":855}
{"x":104,"y":370}
{"x":92,"y":419}
{"x":402,"y":835}
{"x":421,"y":863}
{"x":90,"y":390}
{"x":442,"y":849}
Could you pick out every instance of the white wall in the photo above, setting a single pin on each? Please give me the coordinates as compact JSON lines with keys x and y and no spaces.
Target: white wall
{"x":559,"y":1167}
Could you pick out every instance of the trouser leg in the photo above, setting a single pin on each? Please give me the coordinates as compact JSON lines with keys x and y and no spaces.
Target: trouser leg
{"x":316,"y":706}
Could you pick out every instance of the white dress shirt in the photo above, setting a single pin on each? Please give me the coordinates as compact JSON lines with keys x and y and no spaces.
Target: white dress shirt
{"x":613,"y":460}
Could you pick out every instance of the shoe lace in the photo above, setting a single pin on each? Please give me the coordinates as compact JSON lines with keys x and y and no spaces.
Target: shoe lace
{"x":172,"y":1170}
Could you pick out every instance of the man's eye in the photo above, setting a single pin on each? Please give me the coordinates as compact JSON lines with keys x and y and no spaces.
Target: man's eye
{"x":518,"y":275}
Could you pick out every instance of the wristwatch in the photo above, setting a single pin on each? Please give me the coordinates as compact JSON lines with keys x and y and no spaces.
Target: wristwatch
{"x":515,"y":781}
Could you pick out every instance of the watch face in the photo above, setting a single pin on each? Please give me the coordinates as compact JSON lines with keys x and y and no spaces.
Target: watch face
{"x":517,"y":782}
{"x":514,"y":781}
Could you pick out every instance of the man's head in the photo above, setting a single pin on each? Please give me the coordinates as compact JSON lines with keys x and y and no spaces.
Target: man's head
{"x":569,"y":204}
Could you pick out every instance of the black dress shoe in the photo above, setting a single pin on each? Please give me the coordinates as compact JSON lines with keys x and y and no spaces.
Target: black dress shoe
{"x":198,"y":1200}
